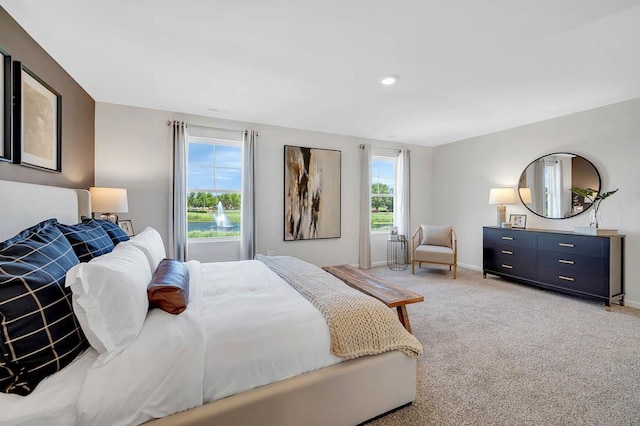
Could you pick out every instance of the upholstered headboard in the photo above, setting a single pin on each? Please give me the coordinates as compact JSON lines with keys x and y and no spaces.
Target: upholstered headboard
{"x":25,"y":204}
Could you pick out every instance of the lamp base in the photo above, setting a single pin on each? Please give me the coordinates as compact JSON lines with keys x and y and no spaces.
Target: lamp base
{"x":501,"y":214}
{"x":110,"y":217}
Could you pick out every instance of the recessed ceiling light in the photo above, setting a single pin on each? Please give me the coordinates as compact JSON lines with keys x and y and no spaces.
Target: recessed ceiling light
{"x":388,"y":80}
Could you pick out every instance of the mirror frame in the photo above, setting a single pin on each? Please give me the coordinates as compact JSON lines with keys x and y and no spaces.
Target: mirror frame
{"x":559,"y":153}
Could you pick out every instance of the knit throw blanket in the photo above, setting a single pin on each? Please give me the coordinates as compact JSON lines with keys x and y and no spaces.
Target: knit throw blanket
{"x":359,"y":324}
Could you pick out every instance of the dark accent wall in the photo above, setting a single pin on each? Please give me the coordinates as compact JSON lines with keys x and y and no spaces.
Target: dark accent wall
{"x":78,"y":113}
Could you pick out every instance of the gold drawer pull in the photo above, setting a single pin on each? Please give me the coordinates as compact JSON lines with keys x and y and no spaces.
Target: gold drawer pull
{"x":566,"y":262}
{"x":507,"y":238}
{"x":562,"y":277}
{"x":507,"y":266}
{"x":507,"y":252}
{"x":566,"y":245}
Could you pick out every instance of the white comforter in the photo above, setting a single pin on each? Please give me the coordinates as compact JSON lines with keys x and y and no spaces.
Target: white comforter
{"x":259,"y":329}
{"x":244,"y":327}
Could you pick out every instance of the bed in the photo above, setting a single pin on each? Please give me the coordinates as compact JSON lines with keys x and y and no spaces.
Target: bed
{"x":245,"y":370}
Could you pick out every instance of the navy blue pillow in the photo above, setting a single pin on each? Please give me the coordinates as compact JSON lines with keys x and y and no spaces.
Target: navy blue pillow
{"x":39,"y":333}
{"x":116,"y":233}
{"x":88,"y":240}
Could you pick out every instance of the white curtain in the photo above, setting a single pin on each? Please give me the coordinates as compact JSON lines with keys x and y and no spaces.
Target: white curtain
{"x":247,"y":225}
{"x":401,"y":212}
{"x":178,"y":212}
{"x":365,"y":207}
{"x":554,"y":175}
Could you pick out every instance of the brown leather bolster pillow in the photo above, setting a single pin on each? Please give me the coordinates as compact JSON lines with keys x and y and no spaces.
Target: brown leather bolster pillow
{"x":169,"y":288}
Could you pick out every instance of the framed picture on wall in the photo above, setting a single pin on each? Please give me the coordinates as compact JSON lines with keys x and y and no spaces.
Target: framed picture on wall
{"x":518,"y":221}
{"x":311,"y":193}
{"x":5,"y":106}
{"x":37,"y":121}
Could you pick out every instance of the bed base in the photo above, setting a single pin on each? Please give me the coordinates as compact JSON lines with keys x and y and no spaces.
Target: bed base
{"x":347,"y":393}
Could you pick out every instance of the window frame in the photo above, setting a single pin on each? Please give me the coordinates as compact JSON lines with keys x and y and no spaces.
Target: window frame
{"x":394,"y":195}
{"x":219,"y":142}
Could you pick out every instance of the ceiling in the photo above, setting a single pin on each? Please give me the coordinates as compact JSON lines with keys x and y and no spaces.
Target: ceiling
{"x":464,"y":68}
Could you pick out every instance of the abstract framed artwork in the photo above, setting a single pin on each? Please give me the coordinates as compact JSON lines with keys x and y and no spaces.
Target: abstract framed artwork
{"x":5,"y":106}
{"x":37,"y":121}
{"x":312,"y":192}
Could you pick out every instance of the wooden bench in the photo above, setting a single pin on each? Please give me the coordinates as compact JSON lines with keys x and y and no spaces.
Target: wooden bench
{"x":390,"y":294}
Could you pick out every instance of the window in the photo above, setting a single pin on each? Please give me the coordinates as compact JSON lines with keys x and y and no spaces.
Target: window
{"x":213,"y":188}
{"x":383,"y":197}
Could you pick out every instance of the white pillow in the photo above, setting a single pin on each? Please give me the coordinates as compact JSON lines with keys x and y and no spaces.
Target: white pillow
{"x":110,"y":298}
{"x":150,"y":242}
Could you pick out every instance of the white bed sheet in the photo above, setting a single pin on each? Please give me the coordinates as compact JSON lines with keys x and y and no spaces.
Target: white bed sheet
{"x":159,"y":374}
{"x":259,"y":329}
{"x":53,"y":402}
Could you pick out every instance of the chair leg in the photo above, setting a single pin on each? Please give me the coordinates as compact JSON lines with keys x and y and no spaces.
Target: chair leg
{"x":449,"y":267}
{"x":413,"y":267}
{"x":455,"y":271}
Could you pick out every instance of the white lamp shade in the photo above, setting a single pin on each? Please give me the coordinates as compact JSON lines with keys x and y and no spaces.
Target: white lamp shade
{"x":525,"y":195}
{"x":502,"y":196}
{"x":111,"y":200}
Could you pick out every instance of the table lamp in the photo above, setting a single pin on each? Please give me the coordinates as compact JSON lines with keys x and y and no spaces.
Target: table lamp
{"x":109,"y":201}
{"x":501,"y":196}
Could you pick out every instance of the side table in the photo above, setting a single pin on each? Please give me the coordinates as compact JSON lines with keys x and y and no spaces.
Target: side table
{"x":397,"y":252}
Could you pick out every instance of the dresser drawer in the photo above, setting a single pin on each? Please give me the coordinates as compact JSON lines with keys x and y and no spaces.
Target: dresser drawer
{"x":522,"y":265}
{"x":575,"y":280}
{"x":578,"y":244}
{"x":572,"y":262}
{"x":509,"y":237}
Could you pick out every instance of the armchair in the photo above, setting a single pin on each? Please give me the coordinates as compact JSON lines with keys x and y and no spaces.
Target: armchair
{"x":434,"y":244}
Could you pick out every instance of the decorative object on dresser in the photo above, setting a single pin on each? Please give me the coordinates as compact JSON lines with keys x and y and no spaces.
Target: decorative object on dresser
{"x":596,"y":199}
{"x":501,"y":196}
{"x":37,"y":121}
{"x":109,"y":201}
{"x":311,"y":193}
{"x":6,"y":98}
{"x":584,"y":265}
{"x":518,"y":221}
{"x":545,"y":185}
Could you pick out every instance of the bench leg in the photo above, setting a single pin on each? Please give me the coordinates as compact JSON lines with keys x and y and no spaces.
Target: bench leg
{"x":403,"y":316}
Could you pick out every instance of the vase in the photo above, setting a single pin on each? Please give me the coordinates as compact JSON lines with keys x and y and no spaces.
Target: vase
{"x":594,"y":218}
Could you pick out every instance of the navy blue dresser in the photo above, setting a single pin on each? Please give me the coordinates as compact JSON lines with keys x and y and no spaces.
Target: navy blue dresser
{"x":571,"y":263}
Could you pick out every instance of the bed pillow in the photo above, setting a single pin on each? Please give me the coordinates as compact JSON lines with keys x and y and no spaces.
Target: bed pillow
{"x":169,"y":287}
{"x":150,"y":242}
{"x":110,"y":298}
{"x":88,"y":240}
{"x":39,"y":334}
{"x":436,"y":235}
{"x":116,"y":233}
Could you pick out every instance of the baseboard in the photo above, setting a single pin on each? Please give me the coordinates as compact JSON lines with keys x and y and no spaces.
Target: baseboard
{"x":468,"y":266}
{"x":384,"y":262}
{"x":631,"y":303}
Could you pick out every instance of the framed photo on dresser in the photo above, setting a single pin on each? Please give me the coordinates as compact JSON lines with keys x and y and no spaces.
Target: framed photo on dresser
{"x":518,"y":221}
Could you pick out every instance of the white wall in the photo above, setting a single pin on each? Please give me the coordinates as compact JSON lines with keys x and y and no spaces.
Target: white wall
{"x":463,"y":173}
{"x":133,"y":150}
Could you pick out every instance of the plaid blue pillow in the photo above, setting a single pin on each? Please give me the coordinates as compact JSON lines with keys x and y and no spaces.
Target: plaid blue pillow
{"x":39,"y":333}
{"x":116,"y":233}
{"x":88,"y":240}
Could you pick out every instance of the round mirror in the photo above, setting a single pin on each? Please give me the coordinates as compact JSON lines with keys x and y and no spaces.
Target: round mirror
{"x":545,"y":185}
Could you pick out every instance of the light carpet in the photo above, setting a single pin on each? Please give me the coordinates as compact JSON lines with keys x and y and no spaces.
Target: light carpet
{"x":502,"y":353}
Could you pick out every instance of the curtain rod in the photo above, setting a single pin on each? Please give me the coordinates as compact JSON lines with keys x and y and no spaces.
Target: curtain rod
{"x":383,"y":149}
{"x":169,"y":122}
